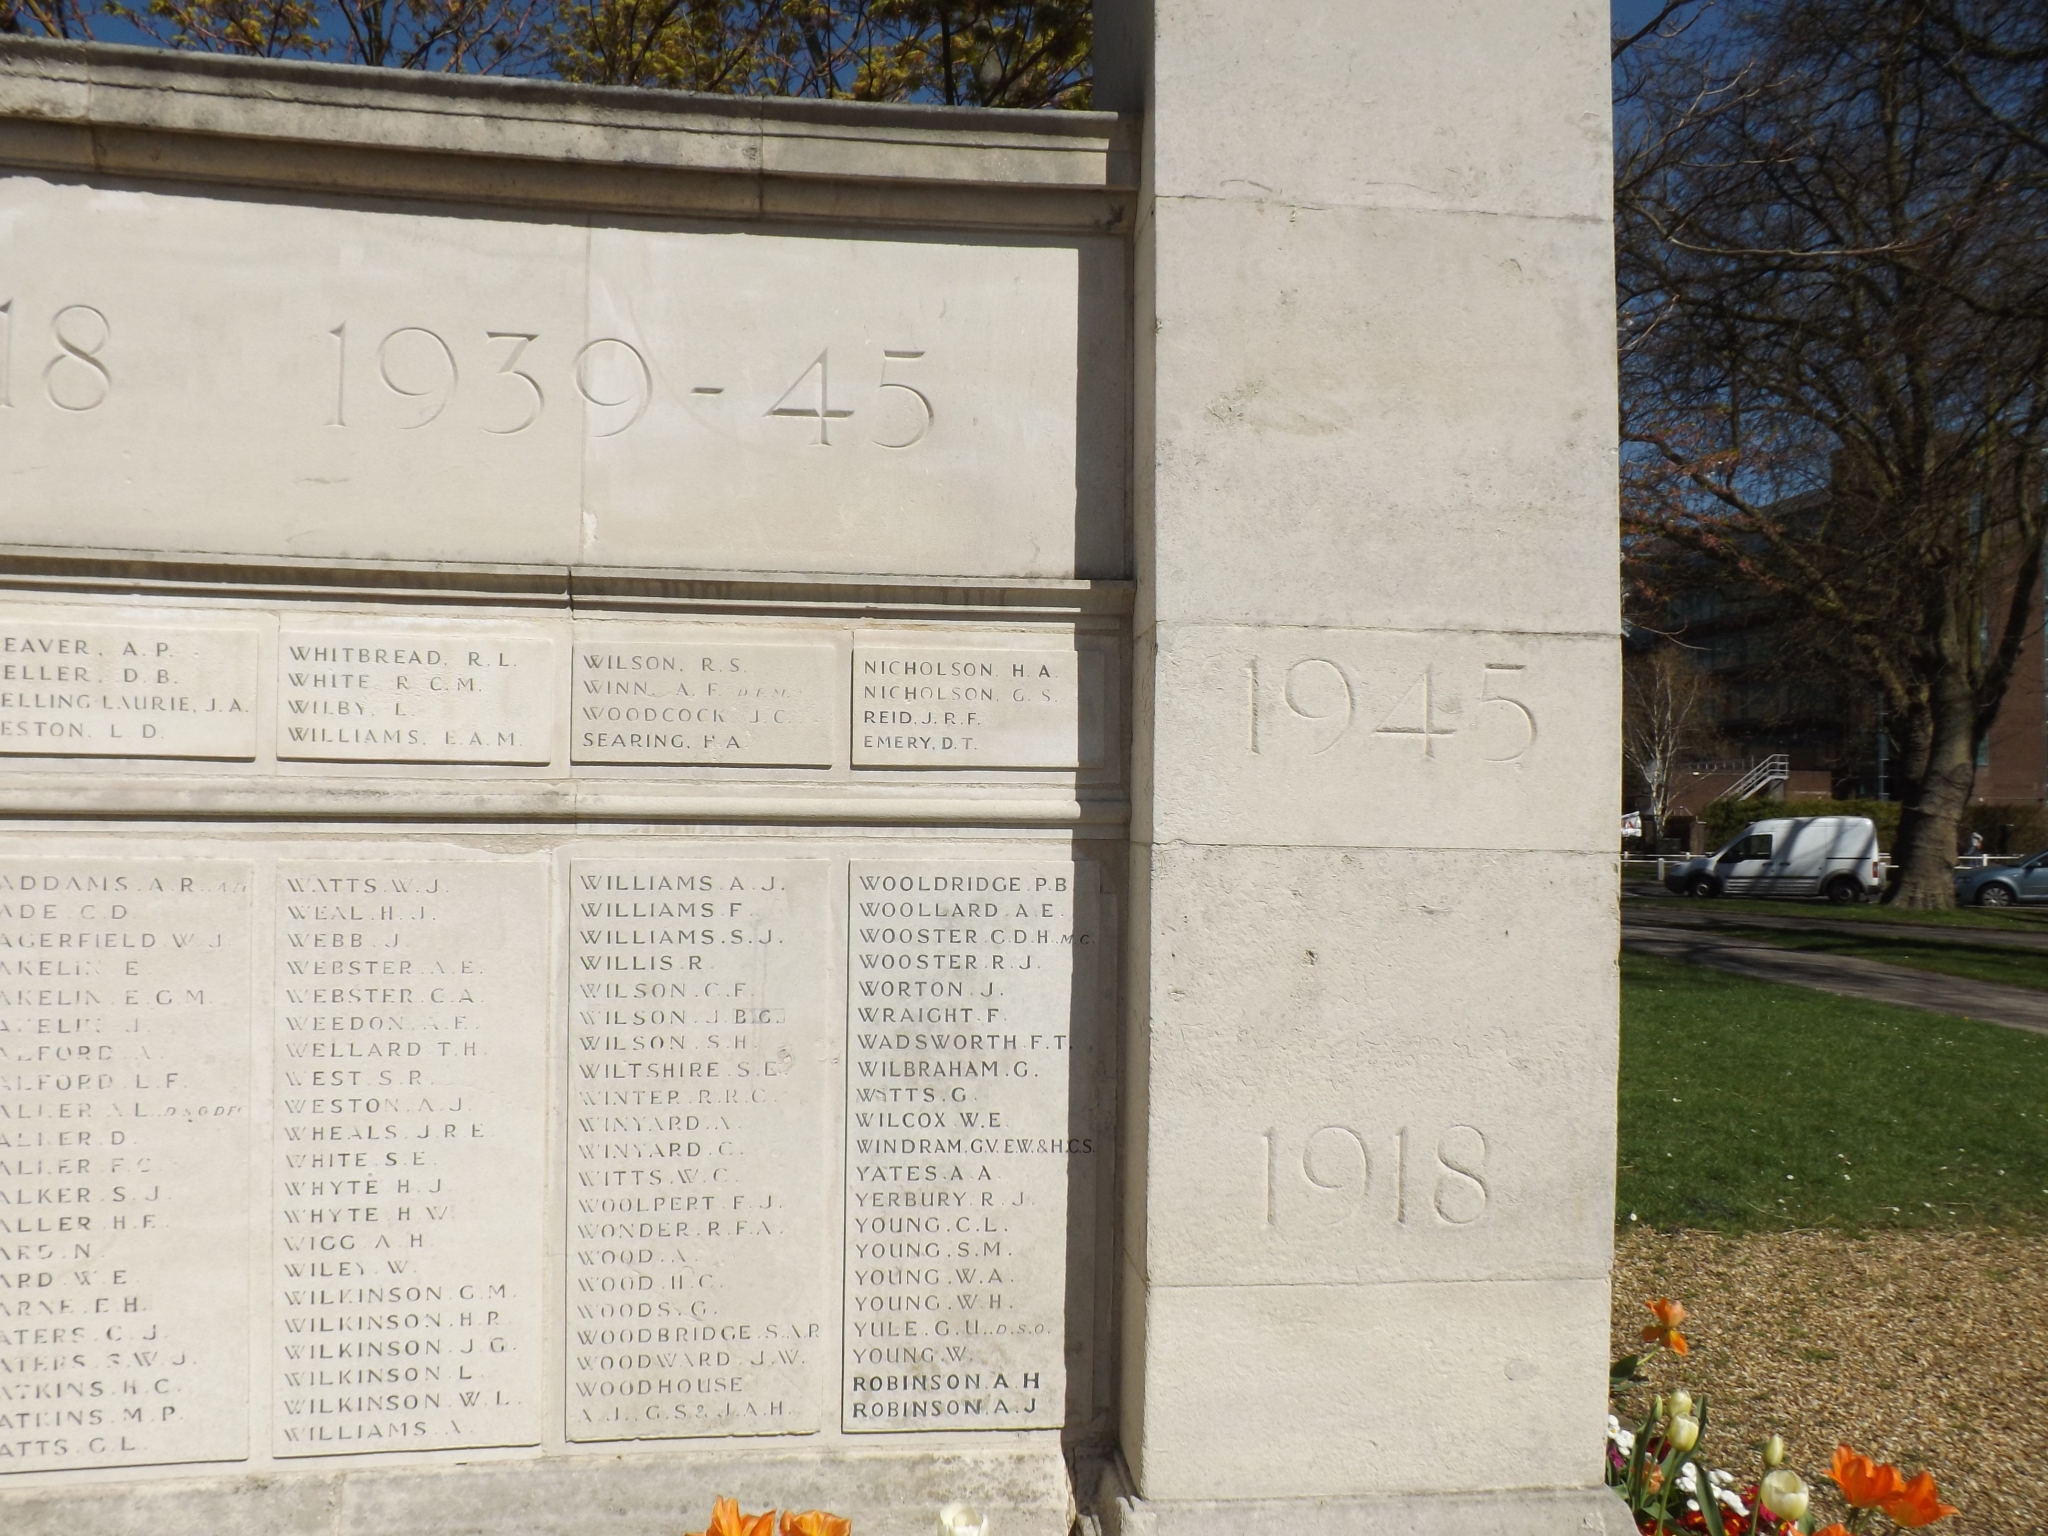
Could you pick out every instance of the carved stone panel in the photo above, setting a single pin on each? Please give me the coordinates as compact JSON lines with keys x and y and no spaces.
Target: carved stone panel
{"x":702,"y":1050}
{"x":935,"y":700}
{"x":410,"y":1089}
{"x":672,"y":694}
{"x":78,"y":684}
{"x":958,"y":1134}
{"x":392,"y":692}
{"x":124,"y":1153}
{"x":478,"y":386}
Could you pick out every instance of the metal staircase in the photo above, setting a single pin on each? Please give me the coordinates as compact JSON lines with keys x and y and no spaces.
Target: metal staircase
{"x":1767,"y":774}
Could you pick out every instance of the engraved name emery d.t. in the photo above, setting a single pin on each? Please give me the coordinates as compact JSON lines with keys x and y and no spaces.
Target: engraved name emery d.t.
{"x":1311,"y":705}
{"x":74,"y":686}
{"x":413,"y":373}
{"x":959,"y":1132}
{"x":703,"y":1043}
{"x":922,"y":705}
{"x":124,"y":1125}
{"x":410,"y":1070}
{"x":683,"y":698}
{"x":390,"y":694}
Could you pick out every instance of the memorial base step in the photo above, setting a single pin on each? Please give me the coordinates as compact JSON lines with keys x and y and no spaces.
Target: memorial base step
{"x":1518,"y":1512}
{"x":1025,"y":1492}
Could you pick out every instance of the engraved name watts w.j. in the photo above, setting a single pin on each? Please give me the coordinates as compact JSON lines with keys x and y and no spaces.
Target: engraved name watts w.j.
{"x":410,"y":1063}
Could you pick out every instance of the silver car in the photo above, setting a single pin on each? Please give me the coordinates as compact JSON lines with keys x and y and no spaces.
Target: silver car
{"x":2004,"y":885}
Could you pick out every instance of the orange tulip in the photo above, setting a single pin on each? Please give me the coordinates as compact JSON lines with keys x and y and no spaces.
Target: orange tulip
{"x":726,"y":1520}
{"x":1918,"y":1503}
{"x":815,"y":1522}
{"x":1837,"y":1529}
{"x":1669,"y":1315}
{"x":1863,"y":1482}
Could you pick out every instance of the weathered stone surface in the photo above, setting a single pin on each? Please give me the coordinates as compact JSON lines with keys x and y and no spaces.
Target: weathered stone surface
{"x":593,"y":923}
{"x":1370,"y":1060}
{"x":124,"y":1168}
{"x":410,"y":1060}
{"x":107,"y":682}
{"x":438,"y":385}
{"x":960,"y":1127}
{"x":667,"y":694}
{"x":701,"y":1165}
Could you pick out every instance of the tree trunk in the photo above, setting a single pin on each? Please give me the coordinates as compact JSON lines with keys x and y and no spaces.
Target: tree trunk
{"x":1935,"y":800}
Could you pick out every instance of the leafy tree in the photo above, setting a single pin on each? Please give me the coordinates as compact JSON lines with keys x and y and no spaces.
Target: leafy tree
{"x":1834,"y":304}
{"x":50,"y":18}
{"x":960,"y":52}
{"x":989,"y":53}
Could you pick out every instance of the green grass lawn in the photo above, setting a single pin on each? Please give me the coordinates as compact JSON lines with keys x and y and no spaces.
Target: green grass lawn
{"x":1747,"y":1106}
{"x":2006,"y":919}
{"x":1945,"y":956}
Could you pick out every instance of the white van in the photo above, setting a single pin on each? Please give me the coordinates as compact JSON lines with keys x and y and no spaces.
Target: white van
{"x":1790,"y":856}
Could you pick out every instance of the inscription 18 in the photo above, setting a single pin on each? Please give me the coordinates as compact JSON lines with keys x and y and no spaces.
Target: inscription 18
{"x":75,"y":376}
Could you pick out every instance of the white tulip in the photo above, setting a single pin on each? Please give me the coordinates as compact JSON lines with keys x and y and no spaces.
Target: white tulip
{"x":962,"y":1520}
{"x":1684,"y":1433}
{"x":1681,"y":1403}
{"x":1784,"y":1494}
{"x":1774,"y":1451}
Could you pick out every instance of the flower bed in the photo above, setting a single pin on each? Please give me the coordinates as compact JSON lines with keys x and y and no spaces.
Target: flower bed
{"x":1657,"y":1468}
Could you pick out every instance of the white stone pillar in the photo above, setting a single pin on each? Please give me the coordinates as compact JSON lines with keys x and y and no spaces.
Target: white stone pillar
{"x":1372,"y":996}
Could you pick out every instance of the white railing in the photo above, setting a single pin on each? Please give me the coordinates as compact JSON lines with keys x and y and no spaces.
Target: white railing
{"x":1768,"y":773}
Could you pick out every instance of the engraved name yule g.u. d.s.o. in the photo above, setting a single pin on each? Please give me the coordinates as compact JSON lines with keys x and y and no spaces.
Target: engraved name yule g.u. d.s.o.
{"x":959,"y":1129}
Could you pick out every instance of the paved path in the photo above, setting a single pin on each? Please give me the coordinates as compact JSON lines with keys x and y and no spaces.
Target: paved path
{"x":1872,"y":980}
{"x":1707,"y":914}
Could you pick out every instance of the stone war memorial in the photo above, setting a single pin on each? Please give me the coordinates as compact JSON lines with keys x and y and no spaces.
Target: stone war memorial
{"x":862,"y":806}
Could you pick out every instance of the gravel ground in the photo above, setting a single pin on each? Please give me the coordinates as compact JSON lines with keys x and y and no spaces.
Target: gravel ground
{"x":1929,"y":1349}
